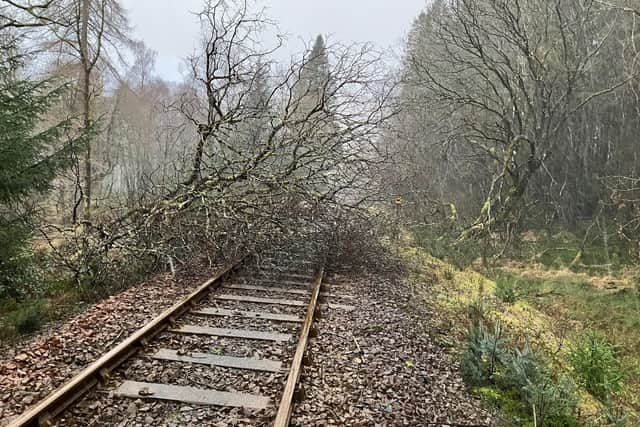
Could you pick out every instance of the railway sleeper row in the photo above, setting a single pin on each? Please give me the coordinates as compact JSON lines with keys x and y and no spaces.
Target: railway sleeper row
{"x":191,"y":395}
{"x":269,"y":296}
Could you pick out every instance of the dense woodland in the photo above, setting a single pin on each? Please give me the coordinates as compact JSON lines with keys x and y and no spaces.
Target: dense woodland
{"x":504,"y":121}
{"x":521,"y":114}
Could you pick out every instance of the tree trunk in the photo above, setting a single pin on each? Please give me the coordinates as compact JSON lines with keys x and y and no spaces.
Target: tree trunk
{"x":86,"y":101}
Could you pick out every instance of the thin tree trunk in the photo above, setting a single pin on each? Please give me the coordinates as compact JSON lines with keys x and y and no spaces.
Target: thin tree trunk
{"x":86,"y":101}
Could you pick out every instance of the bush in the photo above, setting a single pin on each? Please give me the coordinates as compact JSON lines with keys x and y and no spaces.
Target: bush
{"x":442,"y":242}
{"x":554,"y":401}
{"x":17,"y":269}
{"x":521,"y":367}
{"x":595,"y":363}
{"x":483,"y":354}
{"x":506,"y":290}
{"x":488,"y":361}
{"x":30,"y":318}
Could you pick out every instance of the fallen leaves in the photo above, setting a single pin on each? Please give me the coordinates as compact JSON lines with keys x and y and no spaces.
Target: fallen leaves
{"x":377,"y":365}
{"x":32,"y":370}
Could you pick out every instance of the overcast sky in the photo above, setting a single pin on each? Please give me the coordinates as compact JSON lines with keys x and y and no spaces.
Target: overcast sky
{"x":168,"y":27}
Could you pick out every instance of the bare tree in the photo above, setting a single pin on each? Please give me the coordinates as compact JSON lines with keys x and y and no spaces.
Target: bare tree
{"x":21,"y":14}
{"x":241,"y":186}
{"x":90,"y":32}
{"x":498,"y":83}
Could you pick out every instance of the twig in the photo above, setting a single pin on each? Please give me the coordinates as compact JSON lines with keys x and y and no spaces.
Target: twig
{"x":113,"y":341}
{"x":357,"y":345}
{"x":544,"y":294}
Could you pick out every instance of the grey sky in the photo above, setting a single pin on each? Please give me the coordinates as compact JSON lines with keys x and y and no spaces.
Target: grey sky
{"x":168,"y":27}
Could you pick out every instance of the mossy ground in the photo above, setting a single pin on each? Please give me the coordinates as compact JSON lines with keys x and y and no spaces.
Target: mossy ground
{"x":23,"y":316}
{"x":554,"y":303}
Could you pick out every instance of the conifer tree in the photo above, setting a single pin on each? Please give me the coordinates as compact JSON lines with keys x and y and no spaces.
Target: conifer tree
{"x":31,"y":156}
{"x":315,"y":73}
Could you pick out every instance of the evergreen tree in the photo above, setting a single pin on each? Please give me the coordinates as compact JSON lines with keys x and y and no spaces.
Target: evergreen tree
{"x":31,"y":156}
{"x":313,"y":86}
{"x":318,"y":66}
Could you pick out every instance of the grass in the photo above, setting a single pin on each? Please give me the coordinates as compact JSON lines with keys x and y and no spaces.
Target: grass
{"x":546,"y":300}
{"x":57,"y":298}
{"x":24,"y":316}
{"x":613,"y":313}
{"x":48,"y":295}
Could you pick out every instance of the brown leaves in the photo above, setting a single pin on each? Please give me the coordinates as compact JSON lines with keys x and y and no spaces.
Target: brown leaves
{"x":29,"y":373}
{"x":377,"y":366}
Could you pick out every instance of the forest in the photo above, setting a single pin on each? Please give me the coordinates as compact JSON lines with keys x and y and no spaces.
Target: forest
{"x":495,"y":163}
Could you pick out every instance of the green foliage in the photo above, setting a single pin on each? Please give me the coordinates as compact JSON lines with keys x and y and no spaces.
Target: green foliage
{"x":520,"y":368}
{"x":566,"y":300}
{"x":563,"y":249}
{"x":554,"y":401}
{"x":483,"y":354}
{"x":513,"y":411}
{"x":614,"y":416}
{"x":613,"y":313}
{"x":489,"y":361}
{"x":595,"y":363}
{"x":30,"y":318}
{"x":477,"y":313}
{"x":443,"y":243}
{"x":31,"y":156}
{"x":506,"y":290}
{"x":14,"y":265}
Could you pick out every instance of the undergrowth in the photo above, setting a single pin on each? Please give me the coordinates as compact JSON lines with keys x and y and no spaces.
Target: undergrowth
{"x":548,"y":346}
{"x":595,"y":363}
{"x":50,"y":295}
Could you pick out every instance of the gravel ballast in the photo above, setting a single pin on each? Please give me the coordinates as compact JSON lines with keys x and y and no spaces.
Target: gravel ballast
{"x":372,"y":366}
{"x":377,"y":366}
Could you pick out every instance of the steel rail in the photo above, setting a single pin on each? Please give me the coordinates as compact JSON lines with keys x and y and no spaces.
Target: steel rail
{"x":45,"y":411}
{"x":283,"y":416}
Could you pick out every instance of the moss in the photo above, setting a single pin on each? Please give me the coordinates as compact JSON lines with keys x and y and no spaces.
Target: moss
{"x":508,"y":403}
{"x":552,"y":308}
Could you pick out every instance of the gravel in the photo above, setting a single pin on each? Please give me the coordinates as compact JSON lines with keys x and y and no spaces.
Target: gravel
{"x":373,"y":366}
{"x":377,"y":366}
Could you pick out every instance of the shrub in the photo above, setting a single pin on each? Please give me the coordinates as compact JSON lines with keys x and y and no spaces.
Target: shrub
{"x":483,"y":354}
{"x":506,"y":290}
{"x":521,"y":373}
{"x":477,"y":312}
{"x":554,"y":401}
{"x":595,"y":363}
{"x":521,"y":367}
{"x":613,"y":416}
{"x":30,"y":318}
{"x":19,"y":272}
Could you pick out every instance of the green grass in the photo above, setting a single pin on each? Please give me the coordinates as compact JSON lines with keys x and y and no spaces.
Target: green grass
{"x":53,"y":295}
{"x":616,"y":313}
{"x":513,"y":411}
{"x":546,"y":296}
{"x":613,"y":313}
{"x":563,"y":249}
{"x":553,"y":249}
{"x":19,"y":317}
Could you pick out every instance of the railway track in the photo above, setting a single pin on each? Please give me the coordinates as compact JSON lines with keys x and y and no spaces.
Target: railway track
{"x":234,"y":348}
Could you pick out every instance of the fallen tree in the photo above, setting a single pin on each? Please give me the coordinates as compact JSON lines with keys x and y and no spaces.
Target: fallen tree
{"x":276,"y":151}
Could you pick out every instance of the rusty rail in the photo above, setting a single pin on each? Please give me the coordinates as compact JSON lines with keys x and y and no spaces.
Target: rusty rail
{"x":286,"y":403}
{"x":45,"y":411}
